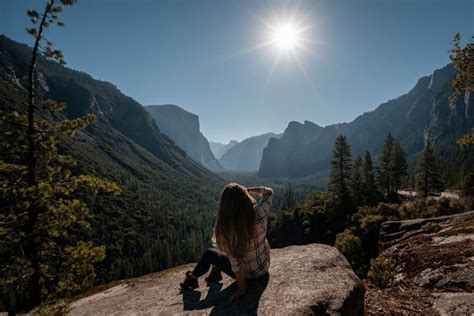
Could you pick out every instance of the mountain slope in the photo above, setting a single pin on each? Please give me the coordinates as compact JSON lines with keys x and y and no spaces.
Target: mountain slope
{"x":423,"y":112}
{"x":183,"y":128}
{"x":218,"y":149}
{"x":246,"y":155}
{"x":164,"y":215}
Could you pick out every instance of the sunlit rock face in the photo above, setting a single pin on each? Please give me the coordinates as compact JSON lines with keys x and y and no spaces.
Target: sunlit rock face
{"x":310,"y":279}
{"x":183,"y":128}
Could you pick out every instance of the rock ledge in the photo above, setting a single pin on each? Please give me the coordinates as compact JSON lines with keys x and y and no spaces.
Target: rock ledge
{"x":309,"y":279}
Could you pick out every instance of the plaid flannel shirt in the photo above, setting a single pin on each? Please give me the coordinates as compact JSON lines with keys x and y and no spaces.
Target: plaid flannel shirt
{"x":256,"y":261}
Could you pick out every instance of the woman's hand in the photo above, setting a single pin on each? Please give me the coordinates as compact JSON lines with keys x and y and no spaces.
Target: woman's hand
{"x":240,"y":276}
{"x":254,"y":190}
{"x":234,"y":297}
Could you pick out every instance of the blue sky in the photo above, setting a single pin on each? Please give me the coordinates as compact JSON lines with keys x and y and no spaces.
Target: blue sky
{"x":195,"y":54}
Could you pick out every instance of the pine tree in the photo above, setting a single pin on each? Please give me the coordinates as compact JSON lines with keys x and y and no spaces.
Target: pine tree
{"x":384,"y":175}
{"x":392,"y":166}
{"x":369,"y":189}
{"x":463,"y":60}
{"x":398,"y":166}
{"x":341,"y":176}
{"x":363,"y":188}
{"x":427,"y":172}
{"x":42,"y":220}
{"x":357,"y":181}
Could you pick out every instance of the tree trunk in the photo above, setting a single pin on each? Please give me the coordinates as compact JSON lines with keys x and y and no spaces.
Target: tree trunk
{"x":31,"y":243}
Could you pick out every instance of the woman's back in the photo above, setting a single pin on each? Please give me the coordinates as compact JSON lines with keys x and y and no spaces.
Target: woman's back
{"x":256,"y":260}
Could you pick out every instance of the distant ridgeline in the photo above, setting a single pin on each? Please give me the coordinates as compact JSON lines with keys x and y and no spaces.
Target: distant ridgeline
{"x":246,"y":155}
{"x":218,"y":149}
{"x":424,"y":112}
{"x":164,"y":216}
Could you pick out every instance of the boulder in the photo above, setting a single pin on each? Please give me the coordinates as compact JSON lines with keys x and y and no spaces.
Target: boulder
{"x":309,"y":279}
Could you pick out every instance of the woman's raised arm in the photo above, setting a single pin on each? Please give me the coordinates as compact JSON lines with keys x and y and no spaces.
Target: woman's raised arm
{"x":265,"y":202}
{"x":260,"y":191}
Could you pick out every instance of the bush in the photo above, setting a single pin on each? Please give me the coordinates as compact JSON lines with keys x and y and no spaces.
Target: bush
{"x":426,"y":208}
{"x":367,"y":221}
{"x":351,"y":247}
{"x":382,"y":271}
{"x":50,"y":308}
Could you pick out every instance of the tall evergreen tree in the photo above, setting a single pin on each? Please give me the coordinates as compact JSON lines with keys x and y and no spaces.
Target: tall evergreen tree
{"x":384,"y":174}
{"x":463,"y":60}
{"x":398,"y":166}
{"x":363,"y":188}
{"x":369,"y":188}
{"x":341,"y":176}
{"x":427,"y":172}
{"x":392,"y":166}
{"x":43,"y":254}
{"x":357,"y":181}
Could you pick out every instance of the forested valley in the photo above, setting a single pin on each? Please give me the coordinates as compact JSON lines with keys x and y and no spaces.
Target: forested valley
{"x":92,"y":191}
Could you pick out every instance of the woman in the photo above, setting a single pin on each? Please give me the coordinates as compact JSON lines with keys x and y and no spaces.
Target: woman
{"x":242,"y":250}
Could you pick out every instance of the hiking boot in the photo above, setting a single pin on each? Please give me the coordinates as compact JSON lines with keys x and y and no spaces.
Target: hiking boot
{"x":190,"y":282}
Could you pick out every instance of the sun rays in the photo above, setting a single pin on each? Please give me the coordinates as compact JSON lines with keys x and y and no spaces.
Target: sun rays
{"x":282,"y":36}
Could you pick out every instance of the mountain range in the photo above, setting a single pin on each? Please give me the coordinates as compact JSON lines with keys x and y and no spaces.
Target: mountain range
{"x":246,"y":155}
{"x":164,"y":215}
{"x":183,"y":128}
{"x":425,"y":112}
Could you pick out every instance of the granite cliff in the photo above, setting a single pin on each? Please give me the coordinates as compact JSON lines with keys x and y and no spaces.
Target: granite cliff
{"x":183,"y":128}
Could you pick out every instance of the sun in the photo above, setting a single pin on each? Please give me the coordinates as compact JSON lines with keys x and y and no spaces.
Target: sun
{"x":286,"y":36}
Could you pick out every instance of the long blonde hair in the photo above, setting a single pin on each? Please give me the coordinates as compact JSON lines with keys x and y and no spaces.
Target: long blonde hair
{"x":235,"y":223}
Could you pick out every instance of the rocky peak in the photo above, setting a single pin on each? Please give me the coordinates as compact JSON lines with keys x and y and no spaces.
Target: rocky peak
{"x":309,"y":279}
{"x":298,"y":133}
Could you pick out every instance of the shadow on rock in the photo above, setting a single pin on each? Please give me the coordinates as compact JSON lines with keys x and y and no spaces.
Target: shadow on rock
{"x":218,"y":297}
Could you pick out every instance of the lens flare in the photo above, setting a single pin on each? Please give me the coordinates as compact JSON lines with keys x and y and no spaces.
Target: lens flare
{"x":286,"y":36}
